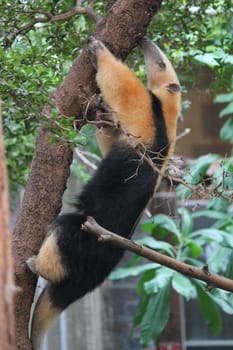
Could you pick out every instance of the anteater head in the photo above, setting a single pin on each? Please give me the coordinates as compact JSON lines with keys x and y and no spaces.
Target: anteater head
{"x":163,"y":82}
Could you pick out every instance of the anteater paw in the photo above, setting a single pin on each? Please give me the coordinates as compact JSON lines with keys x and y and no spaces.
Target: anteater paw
{"x":94,"y":46}
{"x":31,"y":264}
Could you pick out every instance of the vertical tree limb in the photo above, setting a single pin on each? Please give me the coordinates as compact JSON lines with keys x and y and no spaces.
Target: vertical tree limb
{"x":124,"y":25}
{"x":41,"y":202}
{"x":7,"y":324}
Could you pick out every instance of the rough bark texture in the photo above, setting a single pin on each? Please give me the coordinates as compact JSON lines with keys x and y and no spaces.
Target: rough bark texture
{"x":7,"y":324}
{"x":41,"y":202}
{"x":124,"y":25}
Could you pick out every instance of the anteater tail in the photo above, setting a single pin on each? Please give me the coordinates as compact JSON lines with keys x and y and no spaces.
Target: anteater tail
{"x":44,"y":315}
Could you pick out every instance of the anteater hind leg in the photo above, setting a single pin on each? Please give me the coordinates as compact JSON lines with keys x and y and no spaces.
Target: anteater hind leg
{"x":48,"y":262}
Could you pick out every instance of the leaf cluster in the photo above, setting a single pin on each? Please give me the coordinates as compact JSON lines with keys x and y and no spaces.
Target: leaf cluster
{"x":197,"y":34}
{"x":31,"y":67}
{"x":217,"y":187}
{"x":226,"y":130}
{"x":194,"y":246}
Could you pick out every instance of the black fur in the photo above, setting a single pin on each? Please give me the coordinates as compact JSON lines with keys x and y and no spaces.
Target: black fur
{"x":115,"y":197}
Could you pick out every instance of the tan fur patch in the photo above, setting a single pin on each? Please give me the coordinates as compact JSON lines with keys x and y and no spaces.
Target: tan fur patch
{"x":43,"y":316}
{"x":127,"y":96}
{"x":48,"y":261}
{"x":105,"y":138}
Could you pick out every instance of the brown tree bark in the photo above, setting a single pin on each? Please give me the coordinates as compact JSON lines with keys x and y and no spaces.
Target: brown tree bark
{"x":7,"y":324}
{"x":121,"y":29}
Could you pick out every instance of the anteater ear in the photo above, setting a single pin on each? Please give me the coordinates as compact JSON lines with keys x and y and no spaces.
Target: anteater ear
{"x":173,"y":87}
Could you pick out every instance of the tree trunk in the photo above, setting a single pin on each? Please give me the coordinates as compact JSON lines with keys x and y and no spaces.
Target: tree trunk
{"x":7,"y":324}
{"x":50,"y":167}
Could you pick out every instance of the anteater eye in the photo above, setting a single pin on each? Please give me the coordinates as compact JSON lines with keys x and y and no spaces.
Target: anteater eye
{"x":173,"y":87}
{"x":162,"y":65}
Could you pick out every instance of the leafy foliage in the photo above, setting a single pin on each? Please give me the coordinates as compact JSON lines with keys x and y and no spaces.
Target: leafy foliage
{"x":192,"y":247}
{"x":225,"y":132}
{"x":218,"y":188}
{"x":34,"y":65}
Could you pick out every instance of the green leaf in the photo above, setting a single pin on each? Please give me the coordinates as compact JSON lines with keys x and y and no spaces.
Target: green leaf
{"x":132,"y":271}
{"x":182,"y":285}
{"x":208,"y":234}
{"x":228,"y":97}
{"x":228,"y":239}
{"x":228,"y":59}
{"x":227,"y":110}
{"x":193,"y":249}
{"x":156,"y":316}
{"x":141,"y":309}
{"x":195,"y":174}
{"x":229,"y":272}
{"x":208,"y":309}
{"x":220,"y":206}
{"x":224,"y":224}
{"x":145,"y":277}
{"x":226,"y":132}
{"x":152,"y":243}
{"x":207,"y":58}
{"x":162,"y":225}
{"x":186,"y":221}
{"x":163,"y":276}
{"x":211,"y":214}
{"x":223,"y":299}
{"x":217,"y":259}
{"x":148,"y":226}
{"x":197,"y":170}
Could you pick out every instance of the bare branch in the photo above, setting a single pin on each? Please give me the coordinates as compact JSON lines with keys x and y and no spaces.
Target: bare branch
{"x":84,"y":159}
{"x":183,"y":134}
{"x":212,"y":280}
{"x":91,"y":155}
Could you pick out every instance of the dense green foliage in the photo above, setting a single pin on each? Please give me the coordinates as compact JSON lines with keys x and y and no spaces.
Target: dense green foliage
{"x":31,"y":67}
{"x":38,"y":59}
{"x":196,"y":35}
{"x":211,"y":245}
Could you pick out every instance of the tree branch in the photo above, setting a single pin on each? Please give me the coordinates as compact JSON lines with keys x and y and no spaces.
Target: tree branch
{"x":50,"y":18}
{"x":212,"y":280}
{"x":84,"y":159}
{"x":201,"y":189}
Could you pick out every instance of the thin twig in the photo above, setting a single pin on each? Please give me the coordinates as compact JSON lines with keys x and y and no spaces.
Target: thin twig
{"x":183,"y":134}
{"x":200,"y":189}
{"x":92,"y":155}
{"x":212,"y":280}
{"x":84,"y":159}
